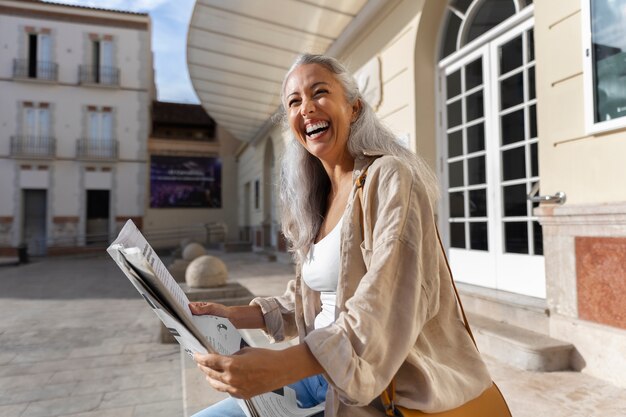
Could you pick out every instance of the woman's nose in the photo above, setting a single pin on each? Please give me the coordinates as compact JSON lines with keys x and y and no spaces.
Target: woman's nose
{"x":307,"y":107}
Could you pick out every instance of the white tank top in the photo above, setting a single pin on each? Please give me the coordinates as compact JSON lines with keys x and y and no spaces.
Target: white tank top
{"x":320,"y":272}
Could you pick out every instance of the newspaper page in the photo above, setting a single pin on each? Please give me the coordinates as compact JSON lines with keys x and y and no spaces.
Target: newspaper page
{"x":196,"y":334}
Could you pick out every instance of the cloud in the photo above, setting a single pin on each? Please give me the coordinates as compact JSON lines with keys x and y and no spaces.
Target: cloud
{"x":130,"y":5}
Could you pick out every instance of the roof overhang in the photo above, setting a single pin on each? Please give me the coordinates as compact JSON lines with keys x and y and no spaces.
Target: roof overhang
{"x":238,"y":52}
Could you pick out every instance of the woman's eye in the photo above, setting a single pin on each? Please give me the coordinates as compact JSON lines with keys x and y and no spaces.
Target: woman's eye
{"x":293,"y":102}
{"x":320,"y":92}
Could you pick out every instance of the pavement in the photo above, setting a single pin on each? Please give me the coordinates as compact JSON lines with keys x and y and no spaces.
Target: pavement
{"x":77,"y":341}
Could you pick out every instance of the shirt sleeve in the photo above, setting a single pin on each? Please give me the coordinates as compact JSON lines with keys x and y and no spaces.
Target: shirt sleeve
{"x":381,"y":322}
{"x":279,"y":314}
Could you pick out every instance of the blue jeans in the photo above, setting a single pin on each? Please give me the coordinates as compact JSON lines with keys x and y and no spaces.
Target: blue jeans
{"x":310,"y":391}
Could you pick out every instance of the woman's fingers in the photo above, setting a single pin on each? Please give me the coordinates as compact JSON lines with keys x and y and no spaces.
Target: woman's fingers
{"x":211,"y":360}
{"x":221,"y":386}
{"x":207,"y":308}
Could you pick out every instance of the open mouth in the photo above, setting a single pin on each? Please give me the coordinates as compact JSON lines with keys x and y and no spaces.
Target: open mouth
{"x":316,"y":129}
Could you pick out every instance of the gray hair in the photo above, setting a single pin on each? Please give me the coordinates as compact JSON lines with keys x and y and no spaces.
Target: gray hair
{"x":304,"y":184}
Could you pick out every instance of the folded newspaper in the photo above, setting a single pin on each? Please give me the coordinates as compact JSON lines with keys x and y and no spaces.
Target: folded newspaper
{"x":202,"y":334}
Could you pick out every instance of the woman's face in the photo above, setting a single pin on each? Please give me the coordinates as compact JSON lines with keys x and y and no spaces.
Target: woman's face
{"x":319,"y":114}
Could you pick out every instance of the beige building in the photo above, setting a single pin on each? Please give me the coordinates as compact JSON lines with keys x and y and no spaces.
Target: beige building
{"x":193,"y":177}
{"x":76,"y":85}
{"x":520,"y":108}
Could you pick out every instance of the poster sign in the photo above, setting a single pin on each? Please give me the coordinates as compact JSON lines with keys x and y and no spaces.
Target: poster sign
{"x":185,"y":181}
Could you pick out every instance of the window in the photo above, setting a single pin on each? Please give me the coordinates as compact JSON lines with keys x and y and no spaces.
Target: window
{"x":257,"y":194}
{"x":99,"y":141}
{"x":604,"y":41}
{"x":36,"y":121}
{"x":100,"y":63}
{"x":489,"y":146}
{"x":34,"y":138}
{"x":100,"y":125}
{"x":36,"y":62}
{"x":467,"y":20}
{"x":39,"y":53}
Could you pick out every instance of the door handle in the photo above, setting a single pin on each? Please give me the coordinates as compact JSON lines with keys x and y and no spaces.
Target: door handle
{"x":558,"y":198}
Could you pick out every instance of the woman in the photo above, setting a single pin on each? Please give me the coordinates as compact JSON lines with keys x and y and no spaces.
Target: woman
{"x":372,"y":299}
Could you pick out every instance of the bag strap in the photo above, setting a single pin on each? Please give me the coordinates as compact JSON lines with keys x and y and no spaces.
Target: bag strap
{"x":388,"y":396}
{"x":360,"y":184}
{"x":456,"y":291}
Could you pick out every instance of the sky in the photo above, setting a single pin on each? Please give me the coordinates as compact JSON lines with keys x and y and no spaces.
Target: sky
{"x":170,"y":19}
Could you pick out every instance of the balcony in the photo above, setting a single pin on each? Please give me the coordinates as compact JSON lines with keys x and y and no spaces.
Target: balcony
{"x":33,"y":147}
{"x":25,"y":69}
{"x":100,"y":76}
{"x":96,"y":149}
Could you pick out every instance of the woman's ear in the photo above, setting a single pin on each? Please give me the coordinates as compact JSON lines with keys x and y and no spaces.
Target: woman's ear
{"x":356,"y":110}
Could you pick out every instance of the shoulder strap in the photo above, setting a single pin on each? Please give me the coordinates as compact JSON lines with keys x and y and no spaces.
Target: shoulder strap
{"x":360,"y":184}
{"x":456,"y":292}
{"x":388,"y":396}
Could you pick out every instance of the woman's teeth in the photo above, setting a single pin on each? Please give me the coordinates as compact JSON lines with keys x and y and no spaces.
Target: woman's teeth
{"x":316,"y":129}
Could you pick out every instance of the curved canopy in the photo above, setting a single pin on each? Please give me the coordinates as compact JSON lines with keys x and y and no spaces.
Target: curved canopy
{"x":239,"y":50}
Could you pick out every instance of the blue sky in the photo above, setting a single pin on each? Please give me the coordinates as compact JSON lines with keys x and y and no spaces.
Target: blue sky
{"x":169,"y":41}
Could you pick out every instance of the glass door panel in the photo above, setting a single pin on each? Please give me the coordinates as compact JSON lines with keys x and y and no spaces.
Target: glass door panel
{"x":468,"y":205}
{"x":520,"y":266}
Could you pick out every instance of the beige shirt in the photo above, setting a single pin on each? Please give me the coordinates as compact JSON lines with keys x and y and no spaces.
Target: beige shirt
{"x":396,"y":314}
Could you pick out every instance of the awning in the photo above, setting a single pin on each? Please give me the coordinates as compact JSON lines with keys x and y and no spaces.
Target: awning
{"x":239,"y":50}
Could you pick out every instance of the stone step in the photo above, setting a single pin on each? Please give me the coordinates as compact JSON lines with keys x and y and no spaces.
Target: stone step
{"x":224,"y":293}
{"x":266,"y":255}
{"x":529,"y":313}
{"x":520,"y":347}
{"x":236,"y":247}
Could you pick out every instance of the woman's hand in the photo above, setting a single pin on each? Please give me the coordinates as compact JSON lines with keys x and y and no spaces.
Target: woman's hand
{"x":249,"y":372}
{"x":254,"y":371}
{"x":242,"y":317}
{"x":212,"y":309}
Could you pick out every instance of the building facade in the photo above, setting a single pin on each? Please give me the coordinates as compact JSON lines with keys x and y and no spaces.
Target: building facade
{"x":193,"y":177}
{"x":519,"y":107}
{"x":76,"y":86}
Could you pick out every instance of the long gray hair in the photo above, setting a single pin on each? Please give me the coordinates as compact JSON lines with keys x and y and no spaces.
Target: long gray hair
{"x":304,"y":184}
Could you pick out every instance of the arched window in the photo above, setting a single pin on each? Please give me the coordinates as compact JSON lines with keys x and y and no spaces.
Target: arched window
{"x":466,"y":20}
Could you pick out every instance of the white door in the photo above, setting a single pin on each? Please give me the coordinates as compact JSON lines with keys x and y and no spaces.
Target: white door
{"x":34,"y":221}
{"x":100,"y":129}
{"x":521,"y":266}
{"x":44,"y":57}
{"x":470,"y":212}
{"x":36,"y":128}
{"x":490,"y":164}
{"x":106,"y":62}
{"x":100,"y":126}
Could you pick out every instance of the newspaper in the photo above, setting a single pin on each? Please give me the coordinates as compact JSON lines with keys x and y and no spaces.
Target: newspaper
{"x":196,"y":334}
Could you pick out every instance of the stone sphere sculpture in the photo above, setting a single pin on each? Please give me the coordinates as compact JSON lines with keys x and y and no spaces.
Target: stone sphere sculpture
{"x":192,"y":251}
{"x":206,"y":271}
{"x":177,"y":269}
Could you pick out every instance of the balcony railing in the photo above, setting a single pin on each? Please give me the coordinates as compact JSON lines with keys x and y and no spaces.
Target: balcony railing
{"x":33,"y":146}
{"x":35,"y":70}
{"x":96,"y":149}
{"x":89,"y":74}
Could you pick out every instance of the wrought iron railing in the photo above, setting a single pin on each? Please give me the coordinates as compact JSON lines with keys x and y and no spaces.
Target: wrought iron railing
{"x":33,"y":146}
{"x":90,"y":74}
{"x":37,"y":70}
{"x":100,"y":149}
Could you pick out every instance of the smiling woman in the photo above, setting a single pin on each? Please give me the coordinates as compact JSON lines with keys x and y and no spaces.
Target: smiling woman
{"x":319,"y":114}
{"x":372,"y":301}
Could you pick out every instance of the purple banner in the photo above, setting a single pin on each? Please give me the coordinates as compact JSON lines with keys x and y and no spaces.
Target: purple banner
{"x":185,"y":181}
